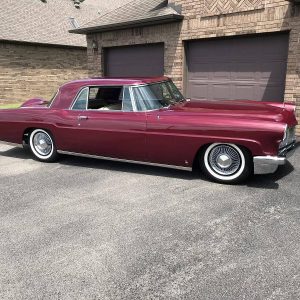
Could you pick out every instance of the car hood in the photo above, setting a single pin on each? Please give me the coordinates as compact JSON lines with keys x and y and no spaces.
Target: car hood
{"x":268,"y":111}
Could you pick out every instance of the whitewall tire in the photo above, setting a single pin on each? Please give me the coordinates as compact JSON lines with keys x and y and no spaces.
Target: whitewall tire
{"x":226,"y":163}
{"x":42,"y":145}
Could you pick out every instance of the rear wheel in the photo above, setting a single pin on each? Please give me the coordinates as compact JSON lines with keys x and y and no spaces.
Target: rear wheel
{"x":42,"y":145}
{"x":226,"y":163}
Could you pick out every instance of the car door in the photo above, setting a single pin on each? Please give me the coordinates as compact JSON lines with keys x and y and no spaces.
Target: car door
{"x":168,"y":142}
{"x":107,"y":130}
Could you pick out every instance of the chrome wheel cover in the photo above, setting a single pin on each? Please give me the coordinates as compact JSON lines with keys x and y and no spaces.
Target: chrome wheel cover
{"x":224,"y":159}
{"x":42,"y":143}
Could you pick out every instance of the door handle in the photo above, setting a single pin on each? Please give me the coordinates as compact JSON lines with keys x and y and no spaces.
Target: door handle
{"x":82,"y":118}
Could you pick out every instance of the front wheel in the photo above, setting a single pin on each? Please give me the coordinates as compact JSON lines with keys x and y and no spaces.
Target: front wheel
{"x":226,"y":163}
{"x":42,"y":145}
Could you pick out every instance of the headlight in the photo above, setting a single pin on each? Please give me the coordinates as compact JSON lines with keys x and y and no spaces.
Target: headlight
{"x":289,"y":136}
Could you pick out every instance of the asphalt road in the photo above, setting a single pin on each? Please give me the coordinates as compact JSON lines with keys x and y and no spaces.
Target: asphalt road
{"x":90,"y":229}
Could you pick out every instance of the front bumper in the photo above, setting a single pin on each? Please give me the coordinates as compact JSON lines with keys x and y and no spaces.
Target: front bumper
{"x":269,"y":164}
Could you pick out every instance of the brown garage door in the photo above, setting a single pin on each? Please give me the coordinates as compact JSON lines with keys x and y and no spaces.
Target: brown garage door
{"x":249,"y":68}
{"x":131,"y":61}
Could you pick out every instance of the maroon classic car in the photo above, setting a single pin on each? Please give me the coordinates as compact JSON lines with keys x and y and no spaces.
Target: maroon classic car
{"x":148,"y":121}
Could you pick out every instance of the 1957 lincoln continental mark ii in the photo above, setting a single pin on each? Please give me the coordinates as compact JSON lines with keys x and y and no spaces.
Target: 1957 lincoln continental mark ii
{"x":148,"y":121}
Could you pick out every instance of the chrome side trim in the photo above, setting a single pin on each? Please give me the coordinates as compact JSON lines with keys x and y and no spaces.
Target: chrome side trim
{"x":267,"y":164}
{"x":12,"y":144}
{"x":125,"y":160}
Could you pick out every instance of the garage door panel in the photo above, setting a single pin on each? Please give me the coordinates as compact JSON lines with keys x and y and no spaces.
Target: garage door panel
{"x":220,"y":91}
{"x":223,"y":73}
{"x":251,"y":66}
{"x":135,"y":61}
{"x":268,"y":93}
{"x":275,"y":73}
{"x":200,"y":91}
{"x":243,"y":71}
{"x":244,"y":92}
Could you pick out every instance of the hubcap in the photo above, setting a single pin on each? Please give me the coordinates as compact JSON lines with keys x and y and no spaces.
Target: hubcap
{"x":224,"y":160}
{"x":42,"y":143}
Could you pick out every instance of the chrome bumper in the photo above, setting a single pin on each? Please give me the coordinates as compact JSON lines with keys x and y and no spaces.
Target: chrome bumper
{"x":269,"y":164}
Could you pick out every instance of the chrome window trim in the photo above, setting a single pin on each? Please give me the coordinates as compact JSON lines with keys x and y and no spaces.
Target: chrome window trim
{"x":134,"y":107}
{"x":131,"y":99}
{"x":123,"y":93}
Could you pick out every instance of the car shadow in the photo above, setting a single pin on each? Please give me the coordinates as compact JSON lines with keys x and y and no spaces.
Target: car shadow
{"x":268,"y":181}
{"x":17,"y":152}
{"x":126,"y":167}
{"x":93,"y":163}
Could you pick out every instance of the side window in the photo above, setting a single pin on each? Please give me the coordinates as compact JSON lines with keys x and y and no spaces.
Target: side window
{"x":81,"y":101}
{"x":105,"y":98}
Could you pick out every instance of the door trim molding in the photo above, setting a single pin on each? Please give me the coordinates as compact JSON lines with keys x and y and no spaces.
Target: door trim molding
{"x":125,"y":160}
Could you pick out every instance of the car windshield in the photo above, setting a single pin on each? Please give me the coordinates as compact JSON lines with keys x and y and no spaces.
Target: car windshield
{"x":156,"y":95}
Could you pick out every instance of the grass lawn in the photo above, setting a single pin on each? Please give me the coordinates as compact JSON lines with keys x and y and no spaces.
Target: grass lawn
{"x":11,"y":105}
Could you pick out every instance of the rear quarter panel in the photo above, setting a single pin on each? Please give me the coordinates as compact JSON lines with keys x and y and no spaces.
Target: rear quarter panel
{"x":14,"y":122}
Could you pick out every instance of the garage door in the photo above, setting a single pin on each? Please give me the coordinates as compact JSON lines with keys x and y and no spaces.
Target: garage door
{"x":249,"y":68}
{"x":141,"y":60}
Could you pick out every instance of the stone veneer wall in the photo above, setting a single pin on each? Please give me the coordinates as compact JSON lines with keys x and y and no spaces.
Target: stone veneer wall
{"x":210,"y":19}
{"x":28,"y":71}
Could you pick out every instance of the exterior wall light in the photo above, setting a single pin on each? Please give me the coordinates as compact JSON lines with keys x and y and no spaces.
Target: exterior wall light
{"x":95,"y":45}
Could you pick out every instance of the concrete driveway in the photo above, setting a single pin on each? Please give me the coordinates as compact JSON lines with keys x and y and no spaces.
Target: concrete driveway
{"x":89,"y":229}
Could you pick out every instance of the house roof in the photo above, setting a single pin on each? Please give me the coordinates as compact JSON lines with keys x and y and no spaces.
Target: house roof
{"x":132,"y":14}
{"x":49,"y":21}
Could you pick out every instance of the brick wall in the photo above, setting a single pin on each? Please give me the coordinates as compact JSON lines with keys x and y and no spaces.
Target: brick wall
{"x":168,"y":34}
{"x":28,"y":71}
{"x":212,"y":18}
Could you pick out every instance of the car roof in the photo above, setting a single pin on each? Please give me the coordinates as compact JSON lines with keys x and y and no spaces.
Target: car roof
{"x":118,"y":80}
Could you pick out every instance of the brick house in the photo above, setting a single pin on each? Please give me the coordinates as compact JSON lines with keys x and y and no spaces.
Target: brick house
{"x":213,"y":49}
{"x":37,"y":53}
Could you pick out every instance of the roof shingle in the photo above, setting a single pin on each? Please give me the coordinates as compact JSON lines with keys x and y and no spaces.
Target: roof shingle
{"x":49,"y":22}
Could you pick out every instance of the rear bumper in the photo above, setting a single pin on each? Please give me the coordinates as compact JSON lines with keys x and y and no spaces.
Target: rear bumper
{"x":269,"y":164}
